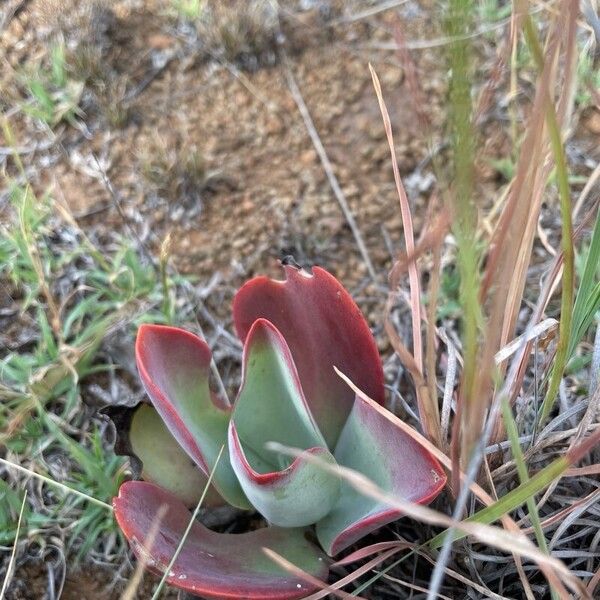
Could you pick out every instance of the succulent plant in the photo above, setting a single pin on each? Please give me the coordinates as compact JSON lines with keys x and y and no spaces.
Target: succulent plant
{"x":294,"y":333}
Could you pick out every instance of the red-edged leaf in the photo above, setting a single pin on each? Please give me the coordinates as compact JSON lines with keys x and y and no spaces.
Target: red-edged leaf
{"x":270,"y":407}
{"x":323,"y":328}
{"x":215,"y":565}
{"x":174,"y":366}
{"x":373,"y":444}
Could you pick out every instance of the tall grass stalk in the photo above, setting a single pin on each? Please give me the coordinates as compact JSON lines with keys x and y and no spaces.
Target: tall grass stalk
{"x":568,"y":276}
{"x":459,"y":22}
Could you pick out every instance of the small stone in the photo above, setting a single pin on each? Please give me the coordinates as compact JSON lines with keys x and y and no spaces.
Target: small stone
{"x":308,"y":157}
{"x":392,"y":78}
{"x":592,"y":122}
{"x":159,"y":41}
{"x":274,"y":126}
{"x":247,"y":205}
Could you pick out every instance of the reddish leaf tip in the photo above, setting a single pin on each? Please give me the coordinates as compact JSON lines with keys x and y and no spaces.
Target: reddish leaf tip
{"x":323,"y":327}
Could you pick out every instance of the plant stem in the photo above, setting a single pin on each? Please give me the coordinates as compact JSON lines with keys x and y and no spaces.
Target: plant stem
{"x":568,"y":278}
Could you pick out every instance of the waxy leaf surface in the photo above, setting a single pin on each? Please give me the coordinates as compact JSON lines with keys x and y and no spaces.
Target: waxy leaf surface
{"x":297,"y":496}
{"x":163,"y":460}
{"x":271,"y":407}
{"x":210,"y":564}
{"x":174,"y":366}
{"x":323,"y":328}
{"x":373,"y":444}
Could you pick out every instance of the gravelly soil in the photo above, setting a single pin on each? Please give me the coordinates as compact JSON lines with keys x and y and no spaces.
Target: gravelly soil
{"x":36,"y":582}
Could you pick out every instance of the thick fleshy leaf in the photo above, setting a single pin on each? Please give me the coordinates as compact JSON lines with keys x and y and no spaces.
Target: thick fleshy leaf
{"x":163,"y":460}
{"x":174,"y":366}
{"x":297,"y":496}
{"x":323,"y":328}
{"x":210,"y":564}
{"x":373,"y":444}
{"x":271,"y":407}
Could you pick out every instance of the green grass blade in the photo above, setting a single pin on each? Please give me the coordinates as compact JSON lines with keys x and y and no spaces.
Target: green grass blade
{"x":513,"y":436}
{"x":57,"y":484}
{"x":568,"y":277}
{"x":13,"y":554}
{"x":587,"y":302}
{"x":512,"y":500}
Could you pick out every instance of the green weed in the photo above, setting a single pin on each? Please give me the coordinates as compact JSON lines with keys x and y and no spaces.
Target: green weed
{"x":588,"y":76}
{"x":54,"y":96}
{"x":69,"y":296}
{"x":190,"y":10}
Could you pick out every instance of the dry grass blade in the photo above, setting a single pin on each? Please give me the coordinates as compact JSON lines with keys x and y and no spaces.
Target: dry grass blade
{"x":593,"y":584}
{"x":136,"y":579}
{"x":301,"y":574}
{"x":560,"y":515}
{"x":413,"y":586}
{"x":585,"y":192}
{"x":448,"y":392}
{"x":534,"y":332}
{"x":369,"y":12}
{"x":583,"y":471}
{"x":509,"y":542}
{"x":549,"y":287}
{"x":486,"y":593}
{"x":507,"y":265}
{"x":568,"y":519}
{"x":430,"y":355}
{"x":437,"y":42}
{"x":595,"y":368}
{"x":57,"y":484}
{"x":432,"y":560}
{"x":428,"y":240}
{"x":333,"y":182}
{"x":13,"y":554}
{"x":366,"y":568}
{"x":419,"y":100}
{"x":367,"y":551}
{"x":588,"y":418}
{"x":415,"y":288}
{"x":428,"y":406}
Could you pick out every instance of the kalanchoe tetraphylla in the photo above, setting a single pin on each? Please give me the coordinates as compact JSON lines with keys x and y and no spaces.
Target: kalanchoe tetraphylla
{"x":294,"y":333}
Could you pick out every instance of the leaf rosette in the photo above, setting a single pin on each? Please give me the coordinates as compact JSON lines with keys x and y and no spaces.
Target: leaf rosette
{"x":294,"y":333}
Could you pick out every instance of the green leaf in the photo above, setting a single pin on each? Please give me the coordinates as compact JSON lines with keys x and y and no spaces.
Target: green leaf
{"x":171,"y":468}
{"x":373,"y":444}
{"x":174,"y":366}
{"x":512,"y":500}
{"x":271,"y":408}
